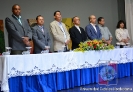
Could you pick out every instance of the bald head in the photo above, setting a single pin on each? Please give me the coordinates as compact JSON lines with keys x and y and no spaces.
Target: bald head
{"x":92,"y":19}
{"x":16,"y":9}
{"x":76,"y":20}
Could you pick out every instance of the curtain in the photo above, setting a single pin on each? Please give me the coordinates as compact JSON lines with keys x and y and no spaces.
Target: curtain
{"x":121,"y":10}
{"x":129,"y":18}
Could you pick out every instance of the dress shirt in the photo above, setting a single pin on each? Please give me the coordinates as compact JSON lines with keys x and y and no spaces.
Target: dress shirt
{"x":94,"y":26}
{"x":78,"y":28}
{"x":42,"y":29}
{"x":18,"y":18}
{"x":60,"y":25}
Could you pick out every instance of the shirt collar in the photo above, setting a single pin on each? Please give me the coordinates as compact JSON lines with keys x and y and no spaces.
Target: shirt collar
{"x":59,"y":23}
{"x":17,"y":17}
{"x":40,"y":26}
{"x":93,"y":24}
{"x":101,"y":25}
{"x":122,"y":29}
{"x":76,"y":26}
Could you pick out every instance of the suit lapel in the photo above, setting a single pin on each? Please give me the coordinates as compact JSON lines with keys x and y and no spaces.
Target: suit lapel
{"x":93,"y":29}
{"x":23,"y":26}
{"x":77,"y":30}
{"x":98,"y":31}
{"x":45,"y":31}
{"x":64,"y":27}
{"x":20,"y":24}
{"x":17,"y":20}
{"x":22,"y":21}
{"x":57,"y":24}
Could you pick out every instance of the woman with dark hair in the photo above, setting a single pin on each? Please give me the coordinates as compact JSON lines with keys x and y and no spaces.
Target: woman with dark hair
{"x":121,"y":33}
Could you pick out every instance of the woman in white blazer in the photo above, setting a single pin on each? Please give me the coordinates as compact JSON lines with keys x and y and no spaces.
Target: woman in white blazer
{"x":121,"y":33}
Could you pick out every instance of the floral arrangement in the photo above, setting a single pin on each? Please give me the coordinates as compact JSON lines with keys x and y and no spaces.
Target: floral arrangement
{"x":93,"y":45}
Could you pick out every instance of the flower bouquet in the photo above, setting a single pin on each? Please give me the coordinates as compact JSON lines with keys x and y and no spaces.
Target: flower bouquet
{"x":93,"y":45}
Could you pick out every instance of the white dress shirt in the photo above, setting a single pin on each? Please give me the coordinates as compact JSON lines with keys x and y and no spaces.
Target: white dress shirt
{"x":121,"y":34}
{"x":78,"y":28}
{"x":94,"y":27}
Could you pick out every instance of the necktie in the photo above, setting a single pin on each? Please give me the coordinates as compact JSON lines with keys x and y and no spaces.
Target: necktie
{"x":19,"y":21}
{"x":42,"y":30}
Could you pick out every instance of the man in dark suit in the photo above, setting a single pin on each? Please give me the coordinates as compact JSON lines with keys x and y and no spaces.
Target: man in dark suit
{"x":19,"y":32}
{"x":93,"y":31}
{"x":77,"y":33}
{"x":41,"y":37}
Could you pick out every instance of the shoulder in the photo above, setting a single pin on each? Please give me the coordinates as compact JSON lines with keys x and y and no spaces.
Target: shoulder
{"x":126,"y":29}
{"x":45,"y":28}
{"x":99,"y":26}
{"x":63,"y":24}
{"x":88,"y":26}
{"x":9,"y":18}
{"x":72,"y":28}
{"x":117,"y":30}
{"x":25,"y":20}
{"x":35,"y":27}
{"x":52,"y":23}
{"x":81,"y":28}
{"x":106,"y":27}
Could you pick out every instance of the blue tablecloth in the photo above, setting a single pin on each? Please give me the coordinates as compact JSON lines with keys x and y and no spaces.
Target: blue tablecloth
{"x":63,"y":80}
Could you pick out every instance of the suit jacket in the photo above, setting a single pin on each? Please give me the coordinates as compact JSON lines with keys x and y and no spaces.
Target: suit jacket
{"x":16,"y":31}
{"x":40,"y":39}
{"x":92,"y":34}
{"x":58,"y":36}
{"x":77,"y":37}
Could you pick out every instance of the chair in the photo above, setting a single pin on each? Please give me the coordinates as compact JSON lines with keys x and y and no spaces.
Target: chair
{"x":32,"y":23}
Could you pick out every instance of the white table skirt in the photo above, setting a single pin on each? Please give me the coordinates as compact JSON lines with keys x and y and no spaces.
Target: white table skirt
{"x":35,"y":64}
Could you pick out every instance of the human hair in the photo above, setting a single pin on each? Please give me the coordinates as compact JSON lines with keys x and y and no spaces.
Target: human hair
{"x":38,"y":16}
{"x":99,"y":19}
{"x":119,"y":22}
{"x":15,"y":5}
{"x":73,"y":18}
{"x":56,"y":12}
{"x":89,"y":18}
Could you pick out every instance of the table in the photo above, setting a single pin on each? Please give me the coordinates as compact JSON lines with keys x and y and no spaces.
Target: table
{"x":53,"y":65}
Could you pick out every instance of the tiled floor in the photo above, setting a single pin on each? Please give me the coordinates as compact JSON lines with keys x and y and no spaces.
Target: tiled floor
{"x":123,"y":83}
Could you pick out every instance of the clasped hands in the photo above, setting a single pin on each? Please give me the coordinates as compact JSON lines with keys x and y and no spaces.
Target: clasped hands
{"x":107,"y":41}
{"x":125,"y":40}
{"x":67,"y":42}
{"x":26,"y":41}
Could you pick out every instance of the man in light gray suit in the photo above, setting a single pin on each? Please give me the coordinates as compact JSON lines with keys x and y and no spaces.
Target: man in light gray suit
{"x":59,"y":31}
{"x":41,"y":36}
{"x":19,"y":31}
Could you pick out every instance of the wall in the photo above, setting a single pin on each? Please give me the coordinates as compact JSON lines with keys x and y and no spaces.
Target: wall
{"x":68,"y":8}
